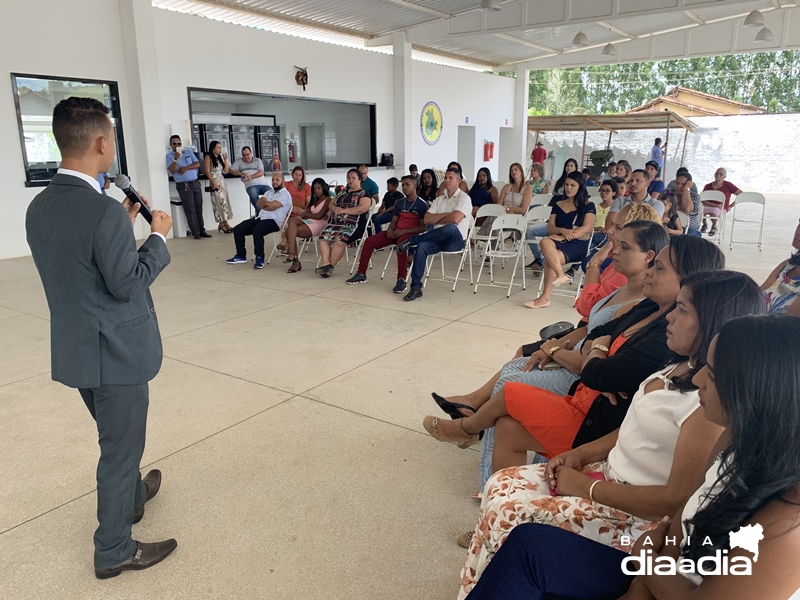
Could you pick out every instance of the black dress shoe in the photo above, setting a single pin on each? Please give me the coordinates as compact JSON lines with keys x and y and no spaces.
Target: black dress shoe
{"x":413,"y":294}
{"x":153,"y":482}
{"x":196,"y":236}
{"x":144,"y":557}
{"x":204,"y":234}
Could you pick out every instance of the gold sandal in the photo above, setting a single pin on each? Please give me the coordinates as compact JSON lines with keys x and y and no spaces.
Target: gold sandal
{"x":431,"y":426}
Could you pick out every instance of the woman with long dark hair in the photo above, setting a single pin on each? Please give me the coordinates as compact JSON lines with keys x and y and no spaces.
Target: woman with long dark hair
{"x":310,"y":223}
{"x":428,"y":185}
{"x":483,"y":190}
{"x":215,"y":164}
{"x":570,"y":230}
{"x":614,"y":489}
{"x":570,"y":166}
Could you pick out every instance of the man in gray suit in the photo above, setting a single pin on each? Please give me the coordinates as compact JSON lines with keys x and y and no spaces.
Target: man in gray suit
{"x":103,"y":329}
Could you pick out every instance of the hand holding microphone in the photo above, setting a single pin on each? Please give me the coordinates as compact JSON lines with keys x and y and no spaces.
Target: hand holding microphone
{"x":160,"y":222}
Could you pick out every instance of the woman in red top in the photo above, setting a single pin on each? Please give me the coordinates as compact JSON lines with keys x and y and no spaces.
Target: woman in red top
{"x":714,"y":209}
{"x":300,"y":192}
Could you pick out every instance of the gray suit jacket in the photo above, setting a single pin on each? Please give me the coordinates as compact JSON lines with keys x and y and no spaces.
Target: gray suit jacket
{"x":103,"y":326}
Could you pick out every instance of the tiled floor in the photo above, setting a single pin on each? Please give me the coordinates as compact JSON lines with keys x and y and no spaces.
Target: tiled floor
{"x":287,"y":422}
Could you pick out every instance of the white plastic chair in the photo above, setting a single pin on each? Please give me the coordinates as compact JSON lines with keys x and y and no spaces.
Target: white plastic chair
{"x":749,"y":198}
{"x":276,"y":237}
{"x":540,"y":200}
{"x":593,"y":190}
{"x":716,"y":196}
{"x":536,"y":214}
{"x":465,"y":252}
{"x":684,"y":219}
{"x":500,"y":227}
{"x":487,"y":210}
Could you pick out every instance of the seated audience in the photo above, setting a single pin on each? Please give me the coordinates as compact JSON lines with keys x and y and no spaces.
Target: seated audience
{"x":752,"y":482}
{"x":641,"y":243}
{"x":570,"y":166}
{"x":384,"y":214}
{"x":450,"y":216}
{"x":515,"y":197}
{"x":688,"y":202}
{"x":624,"y":170}
{"x":428,"y":186}
{"x":671,"y":185}
{"x":310,"y":223}
{"x":603,"y":278}
{"x":463,"y":185}
{"x":608,"y":193}
{"x":622,"y":186}
{"x":407,"y":217}
{"x":623,"y":483}
{"x":367,"y":184}
{"x":616,"y":357}
{"x":656,"y":186}
{"x":345,"y":225}
{"x":251,"y":171}
{"x":483,"y":191}
{"x":537,"y":181}
{"x":714,"y":209}
{"x":300,"y":192}
{"x":274,"y":207}
{"x":570,"y":229}
{"x":413,"y":170}
{"x":611,"y":170}
{"x":637,"y":186}
{"x":672,"y":222}
{"x":587,"y":176}
{"x":782,"y":287}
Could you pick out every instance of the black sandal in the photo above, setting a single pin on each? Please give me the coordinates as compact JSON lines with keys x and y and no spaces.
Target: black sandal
{"x":451,"y":408}
{"x":296,"y":266}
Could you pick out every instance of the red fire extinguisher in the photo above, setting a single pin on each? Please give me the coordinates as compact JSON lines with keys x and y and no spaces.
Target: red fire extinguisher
{"x":291,"y":152}
{"x":488,"y":150}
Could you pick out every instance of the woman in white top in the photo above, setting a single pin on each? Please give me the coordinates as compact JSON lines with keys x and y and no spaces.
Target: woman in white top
{"x":618,"y":487}
{"x":515,"y":197}
{"x":745,"y":514}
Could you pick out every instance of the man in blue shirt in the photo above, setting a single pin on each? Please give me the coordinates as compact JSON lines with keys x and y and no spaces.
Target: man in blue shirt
{"x":104,"y":182}
{"x":657,"y":155}
{"x":656,"y":185}
{"x":367,"y":184}
{"x":182,"y":164}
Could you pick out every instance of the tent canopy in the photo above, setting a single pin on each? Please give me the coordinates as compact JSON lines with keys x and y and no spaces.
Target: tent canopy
{"x":610,"y":123}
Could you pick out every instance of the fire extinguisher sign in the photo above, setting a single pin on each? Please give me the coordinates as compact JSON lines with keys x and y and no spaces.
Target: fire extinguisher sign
{"x":430,"y":123}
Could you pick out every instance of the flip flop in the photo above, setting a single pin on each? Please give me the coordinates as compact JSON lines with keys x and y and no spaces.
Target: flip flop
{"x":450,"y":408}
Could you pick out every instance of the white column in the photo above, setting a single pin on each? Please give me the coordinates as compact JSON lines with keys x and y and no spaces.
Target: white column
{"x":401,"y":64}
{"x":143,"y":121}
{"x":520,"y":138}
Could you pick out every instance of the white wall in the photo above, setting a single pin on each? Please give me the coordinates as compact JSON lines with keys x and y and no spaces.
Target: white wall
{"x":89,"y":48}
{"x":486,"y":101}
{"x":243,"y":59}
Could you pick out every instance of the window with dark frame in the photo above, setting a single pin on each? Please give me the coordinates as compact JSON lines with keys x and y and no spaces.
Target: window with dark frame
{"x":35,"y":97}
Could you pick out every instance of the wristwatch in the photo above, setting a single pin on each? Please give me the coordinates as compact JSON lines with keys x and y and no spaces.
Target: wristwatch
{"x":553,"y":350}
{"x":600,"y":347}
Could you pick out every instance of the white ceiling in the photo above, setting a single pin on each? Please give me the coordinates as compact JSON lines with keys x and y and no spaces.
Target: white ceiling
{"x":538,"y":33}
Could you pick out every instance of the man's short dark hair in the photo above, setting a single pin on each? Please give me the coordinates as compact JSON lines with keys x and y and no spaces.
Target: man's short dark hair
{"x":77,"y":122}
{"x":612,"y":164}
{"x":365,"y":166}
{"x":392,"y":181}
{"x":586,"y":171}
{"x":412,"y":167}
{"x":686,"y":174}
{"x":174,"y":137}
{"x":644,"y":173}
{"x":651,"y":163}
{"x":408,"y":178}
{"x":658,"y":141}
{"x":455,"y":171}
{"x":247,"y":148}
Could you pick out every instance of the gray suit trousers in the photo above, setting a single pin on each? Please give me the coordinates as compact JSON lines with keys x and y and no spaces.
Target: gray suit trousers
{"x":120,"y":412}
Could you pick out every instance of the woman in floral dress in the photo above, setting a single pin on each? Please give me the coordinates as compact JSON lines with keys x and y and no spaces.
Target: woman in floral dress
{"x":215,"y":165}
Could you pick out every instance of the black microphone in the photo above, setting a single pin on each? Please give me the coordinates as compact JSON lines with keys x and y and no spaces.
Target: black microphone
{"x":123,"y":183}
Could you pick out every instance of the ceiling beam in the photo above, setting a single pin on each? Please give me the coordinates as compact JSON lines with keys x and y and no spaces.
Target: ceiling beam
{"x":418,"y":7}
{"x":617,"y":30}
{"x":693,"y":16}
{"x":513,"y":38}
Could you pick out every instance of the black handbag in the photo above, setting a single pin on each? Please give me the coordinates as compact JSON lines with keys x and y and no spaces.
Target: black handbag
{"x":556,"y":330}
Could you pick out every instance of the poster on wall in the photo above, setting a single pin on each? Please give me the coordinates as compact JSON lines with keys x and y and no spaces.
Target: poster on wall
{"x":430,"y":123}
